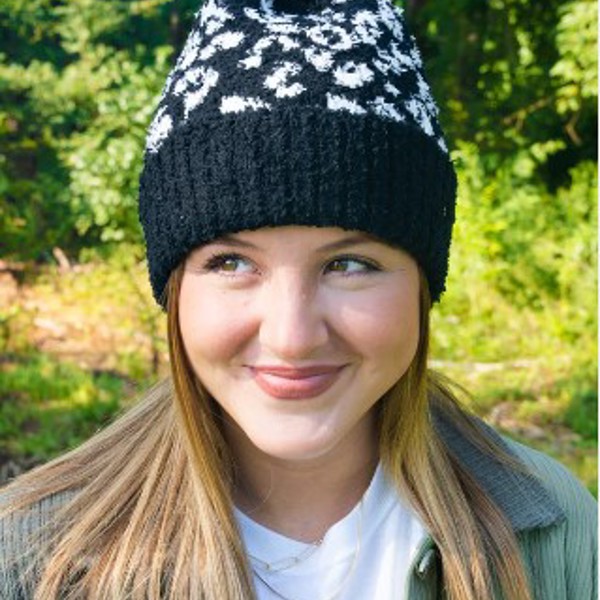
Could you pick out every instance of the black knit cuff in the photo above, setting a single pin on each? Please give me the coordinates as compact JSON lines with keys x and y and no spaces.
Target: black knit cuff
{"x":298,"y":167}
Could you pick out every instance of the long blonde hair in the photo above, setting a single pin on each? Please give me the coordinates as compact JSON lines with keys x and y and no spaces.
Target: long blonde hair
{"x":146,"y":506}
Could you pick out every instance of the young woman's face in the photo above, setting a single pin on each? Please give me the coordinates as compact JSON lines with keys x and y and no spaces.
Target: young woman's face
{"x":297,"y":332}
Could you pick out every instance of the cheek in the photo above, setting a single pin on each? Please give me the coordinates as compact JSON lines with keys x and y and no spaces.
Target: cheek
{"x":386,"y":328}
{"x":214,"y":325}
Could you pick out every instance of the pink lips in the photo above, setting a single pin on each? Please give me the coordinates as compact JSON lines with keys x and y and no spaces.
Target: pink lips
{"x":288,"y":383}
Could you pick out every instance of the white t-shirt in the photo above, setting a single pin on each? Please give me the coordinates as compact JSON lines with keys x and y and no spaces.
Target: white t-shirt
{"x":365,"y":555}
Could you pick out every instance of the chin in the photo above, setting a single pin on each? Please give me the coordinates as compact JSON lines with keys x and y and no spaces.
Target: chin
{"x":288,"y":449}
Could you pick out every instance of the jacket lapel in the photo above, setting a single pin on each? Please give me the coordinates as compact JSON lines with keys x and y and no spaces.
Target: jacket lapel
{"x":523,"y":499}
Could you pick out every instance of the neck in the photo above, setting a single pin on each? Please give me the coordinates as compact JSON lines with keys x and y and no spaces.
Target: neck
{"x":302,"y":499}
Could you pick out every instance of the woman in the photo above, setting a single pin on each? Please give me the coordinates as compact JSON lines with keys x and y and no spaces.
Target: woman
{"x":297,"y":200}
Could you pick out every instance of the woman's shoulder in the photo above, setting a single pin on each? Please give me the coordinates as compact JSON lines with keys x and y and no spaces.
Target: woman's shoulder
{"x":562,"y":558}
{"x":16,"y":524}
{"x":22,"y":533}
{"x":564,"y":488}
{"x":532,"y":489}
{"x":553,"y":515}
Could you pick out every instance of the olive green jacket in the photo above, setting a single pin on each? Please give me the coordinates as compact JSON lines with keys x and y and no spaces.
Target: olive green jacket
{"x":553,"y":515}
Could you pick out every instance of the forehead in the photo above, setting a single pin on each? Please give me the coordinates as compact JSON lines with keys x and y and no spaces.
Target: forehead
{"x":320,"y":237}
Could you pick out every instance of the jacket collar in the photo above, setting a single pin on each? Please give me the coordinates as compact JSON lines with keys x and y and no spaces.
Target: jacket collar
{"x":523,"y":499}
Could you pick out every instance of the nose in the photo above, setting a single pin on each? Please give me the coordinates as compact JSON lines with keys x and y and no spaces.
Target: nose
{"x":293,"y":318}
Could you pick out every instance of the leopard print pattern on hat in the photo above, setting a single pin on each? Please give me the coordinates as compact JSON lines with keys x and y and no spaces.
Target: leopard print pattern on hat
{"x":352,"y":56}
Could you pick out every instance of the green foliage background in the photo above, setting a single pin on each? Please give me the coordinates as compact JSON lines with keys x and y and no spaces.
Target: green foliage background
{"x":517,"y":85}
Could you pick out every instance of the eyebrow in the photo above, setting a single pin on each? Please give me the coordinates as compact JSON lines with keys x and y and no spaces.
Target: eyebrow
{"x":352,"y":240}
{"x":228,"y":240}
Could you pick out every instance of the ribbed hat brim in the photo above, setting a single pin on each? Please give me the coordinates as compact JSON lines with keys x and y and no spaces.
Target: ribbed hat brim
{"x":298,"y":167}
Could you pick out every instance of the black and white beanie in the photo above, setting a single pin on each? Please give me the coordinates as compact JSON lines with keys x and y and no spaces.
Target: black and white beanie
{"x":297,"y":112}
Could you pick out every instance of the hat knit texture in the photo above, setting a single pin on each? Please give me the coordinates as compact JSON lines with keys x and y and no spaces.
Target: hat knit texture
{"x":297,"y":112}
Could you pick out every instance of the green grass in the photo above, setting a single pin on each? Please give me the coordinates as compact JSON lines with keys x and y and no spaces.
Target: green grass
{"x":74,"y":347}
{"x":47,"y":405}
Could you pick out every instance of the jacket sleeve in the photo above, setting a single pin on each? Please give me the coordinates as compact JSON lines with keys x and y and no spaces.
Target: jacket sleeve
{"x":21,"y":536}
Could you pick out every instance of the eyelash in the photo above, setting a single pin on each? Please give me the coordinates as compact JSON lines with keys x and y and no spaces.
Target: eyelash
{"x":216,"y":264}
{"x":369,"y":265}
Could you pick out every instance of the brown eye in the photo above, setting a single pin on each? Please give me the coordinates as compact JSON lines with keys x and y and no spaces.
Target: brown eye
{"x":350,"y":266}
{"x":230,"y":264}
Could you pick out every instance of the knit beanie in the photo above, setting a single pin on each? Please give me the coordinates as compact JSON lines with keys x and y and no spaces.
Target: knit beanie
{"x":297,"y":112}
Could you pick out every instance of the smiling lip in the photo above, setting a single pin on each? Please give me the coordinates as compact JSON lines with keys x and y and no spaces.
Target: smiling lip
{"x":287,"y":383}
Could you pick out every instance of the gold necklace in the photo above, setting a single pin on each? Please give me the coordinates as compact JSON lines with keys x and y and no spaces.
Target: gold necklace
{"x":288,"y":562}
{"x":314,"y":547}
